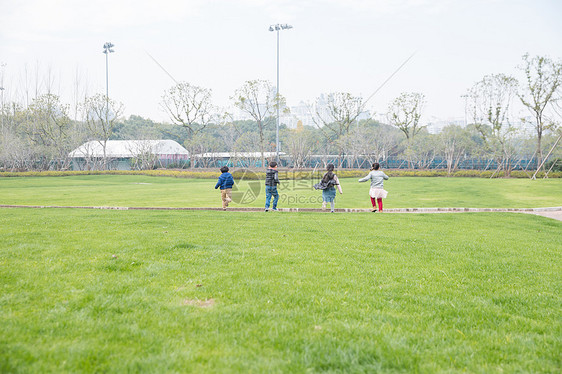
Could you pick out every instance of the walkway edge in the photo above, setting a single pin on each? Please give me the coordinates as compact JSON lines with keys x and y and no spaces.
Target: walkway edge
{"x":338,"y":210}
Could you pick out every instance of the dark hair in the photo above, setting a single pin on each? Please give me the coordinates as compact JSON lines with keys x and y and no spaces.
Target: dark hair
{"x":272,"y":164}
{"x":376,"y":166}
{"x":224,"y":169}
{"x":330,"y":174}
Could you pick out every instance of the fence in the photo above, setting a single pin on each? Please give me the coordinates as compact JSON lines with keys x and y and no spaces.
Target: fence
{"x":364,"y":163}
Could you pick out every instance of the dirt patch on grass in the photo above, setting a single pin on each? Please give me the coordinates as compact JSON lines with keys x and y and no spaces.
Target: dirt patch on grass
{"x":200,"y":303}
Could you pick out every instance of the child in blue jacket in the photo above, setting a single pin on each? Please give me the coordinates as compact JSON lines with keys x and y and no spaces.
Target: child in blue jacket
{"x":225,"y":183}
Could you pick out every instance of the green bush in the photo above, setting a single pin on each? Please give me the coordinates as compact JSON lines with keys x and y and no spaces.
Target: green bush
{"x":555,"y":164}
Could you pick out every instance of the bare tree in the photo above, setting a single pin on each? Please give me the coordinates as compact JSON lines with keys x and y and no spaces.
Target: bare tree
{"x":2,"y":103}
{"x":405,"y":112}
{"x":385,"y":144}
{"x":79,"y":94}
{"x":100,"y":116}
{"x":424,"y":150}
{"x":15,"y":153}
{"x":228,"y":134}
{"x":35,"y":82}
{"x":300,"y":145}
{"x":244,"y":150}
{"x":258,"y":99}
{"x":489,"y":102}
{"x":454,"y":143}
{"x":543,"y":79}
{"x":203,"y":144}
{"x":557,"y":130}
{"x":88,"y":152}
{"x":227,"y":130}
{"x":334,"y":114}
{"x":144,"y":152}
{"x":368,"y":143}
{"x":191,"y":107}
{"x":356,"y":144}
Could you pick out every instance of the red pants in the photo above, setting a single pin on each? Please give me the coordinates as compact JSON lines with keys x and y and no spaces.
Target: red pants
{"x":379,"y":200}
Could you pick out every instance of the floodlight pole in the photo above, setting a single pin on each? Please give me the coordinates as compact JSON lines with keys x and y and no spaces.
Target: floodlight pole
{"x":107,"y":49}
{"x":277,"y":98}
{"x":2,"y":108}
{"x":278,"y":27}
{"x":2,"y":65}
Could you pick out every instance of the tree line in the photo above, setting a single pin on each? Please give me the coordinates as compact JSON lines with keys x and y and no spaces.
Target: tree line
{"x":39,"y":133}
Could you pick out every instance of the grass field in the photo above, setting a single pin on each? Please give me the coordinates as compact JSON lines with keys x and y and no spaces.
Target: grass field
{"x":130,"y":291}
{"x":213,"y":291}
{"x":112,"y":190}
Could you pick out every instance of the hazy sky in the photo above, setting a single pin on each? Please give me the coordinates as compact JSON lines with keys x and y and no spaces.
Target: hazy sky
{"x":335,"y":45}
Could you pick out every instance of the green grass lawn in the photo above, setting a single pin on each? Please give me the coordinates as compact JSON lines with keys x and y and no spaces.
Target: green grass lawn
{"x":114,"y":190}
{"x":191,"y":291}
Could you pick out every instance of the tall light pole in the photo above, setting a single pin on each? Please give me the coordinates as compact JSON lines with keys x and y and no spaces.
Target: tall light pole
{"x":107,"y":49}
{"x":278,"y":27}
{"x":2,"y":108}
{"x":2,"y":66}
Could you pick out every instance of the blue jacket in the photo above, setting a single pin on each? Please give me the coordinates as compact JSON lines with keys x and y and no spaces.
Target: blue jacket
{"x":225,"y":181}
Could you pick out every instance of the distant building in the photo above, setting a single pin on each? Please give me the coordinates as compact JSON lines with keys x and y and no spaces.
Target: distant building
{"x":435,"y":125}
{"x":128,"y":155}
{"x":308,"y":114}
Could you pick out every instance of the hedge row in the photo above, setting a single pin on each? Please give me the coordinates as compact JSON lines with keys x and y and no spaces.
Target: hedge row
{"x":283,"y":174}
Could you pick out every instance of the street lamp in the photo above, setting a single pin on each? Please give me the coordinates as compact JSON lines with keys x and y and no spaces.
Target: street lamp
{"x":277,"y":27}
{"x":2,"y":66}
{"x":107,"y":49}
{"x":2,"y":108}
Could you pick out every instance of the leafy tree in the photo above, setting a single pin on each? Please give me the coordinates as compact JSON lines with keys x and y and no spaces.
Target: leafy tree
{"x":173,"y":132}
{"x":135,"y":128}
{"x":16,"y":150}
{"x":49,"y":127}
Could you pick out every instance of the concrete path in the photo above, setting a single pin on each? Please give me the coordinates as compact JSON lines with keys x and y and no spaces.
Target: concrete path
{"x":551,"y":212}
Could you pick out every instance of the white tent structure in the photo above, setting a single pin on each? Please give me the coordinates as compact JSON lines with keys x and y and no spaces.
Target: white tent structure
{"x":128,"y":154}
